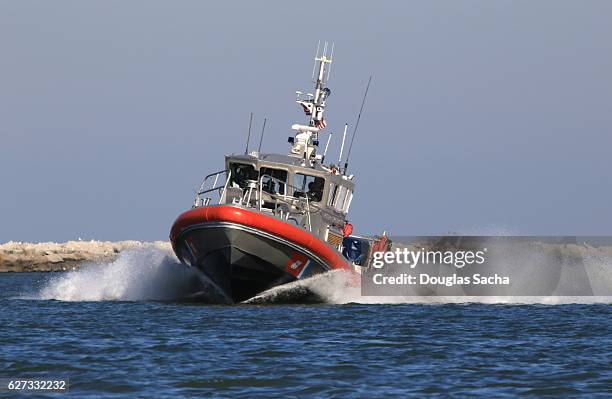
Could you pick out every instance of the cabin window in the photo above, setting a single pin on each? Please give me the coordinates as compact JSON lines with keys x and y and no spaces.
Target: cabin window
{"x":333,"y":192}
{"x":347,"y":203}
{"x":312,"y":186}
{"x":341,"y":198}
{"x":242,"y":172}
{"x":274,"y":181}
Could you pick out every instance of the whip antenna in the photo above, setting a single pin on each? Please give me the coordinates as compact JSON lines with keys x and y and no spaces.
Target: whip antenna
{"x":316,"y":56}
{"x":342,"y":146}
{"x":246,"y":150}
{"x":326,"y":147}
{"x":263,"y":129}
{"x":357,"y":124}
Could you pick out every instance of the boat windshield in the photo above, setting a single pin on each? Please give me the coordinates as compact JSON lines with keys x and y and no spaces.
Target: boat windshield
{"x":274,"y":180}
{"x":312,"y":186}
{"x":241,"y":173}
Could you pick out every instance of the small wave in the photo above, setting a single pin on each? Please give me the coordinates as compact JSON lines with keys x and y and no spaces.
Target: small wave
{"x":149,"y":273}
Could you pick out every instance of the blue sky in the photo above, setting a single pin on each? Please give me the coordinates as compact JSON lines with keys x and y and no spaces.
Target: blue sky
{"x":483,"y":117}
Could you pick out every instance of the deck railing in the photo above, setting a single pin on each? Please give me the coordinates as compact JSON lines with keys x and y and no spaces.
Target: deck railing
{"x":254,"y":195}
{"x":220,"y":189}
{"x":301,"y":204}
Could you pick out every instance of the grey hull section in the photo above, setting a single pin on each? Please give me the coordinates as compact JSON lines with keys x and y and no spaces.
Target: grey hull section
{"x":242,"y":262}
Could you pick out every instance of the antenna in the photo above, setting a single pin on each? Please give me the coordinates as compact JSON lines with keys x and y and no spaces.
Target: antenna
{"x":263,"y":129}
{"x":331,"y":56}
{"x":342,"y":146}
{"x":246,"y":149}
{"x":314,"y":65}
{"x":357,"y":124}
{"x":326,"y":147}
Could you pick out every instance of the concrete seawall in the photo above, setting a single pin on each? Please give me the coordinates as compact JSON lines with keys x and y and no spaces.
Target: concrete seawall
{"x":50,"y":256}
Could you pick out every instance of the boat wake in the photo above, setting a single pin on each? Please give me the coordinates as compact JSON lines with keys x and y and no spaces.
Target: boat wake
{"x":340,"y":287}
{"x":154,"y":274}
{"x":333,"y":287}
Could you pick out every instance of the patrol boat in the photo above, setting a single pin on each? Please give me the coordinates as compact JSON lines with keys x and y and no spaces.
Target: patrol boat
{"x":270,"y":219}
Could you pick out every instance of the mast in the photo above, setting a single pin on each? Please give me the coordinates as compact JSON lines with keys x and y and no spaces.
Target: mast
{"x":321,"y":93}
{"x":307,"y":136}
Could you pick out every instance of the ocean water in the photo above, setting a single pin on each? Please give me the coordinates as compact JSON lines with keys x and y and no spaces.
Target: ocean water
{"x":125,"y":329}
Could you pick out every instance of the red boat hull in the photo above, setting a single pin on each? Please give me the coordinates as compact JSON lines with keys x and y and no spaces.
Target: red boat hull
{"x":244,"y":252}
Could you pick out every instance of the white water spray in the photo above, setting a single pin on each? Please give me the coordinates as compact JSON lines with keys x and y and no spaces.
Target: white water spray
{"x":153,"y":273}
{"x":149,"y":273}
{"x":340,"y":287}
